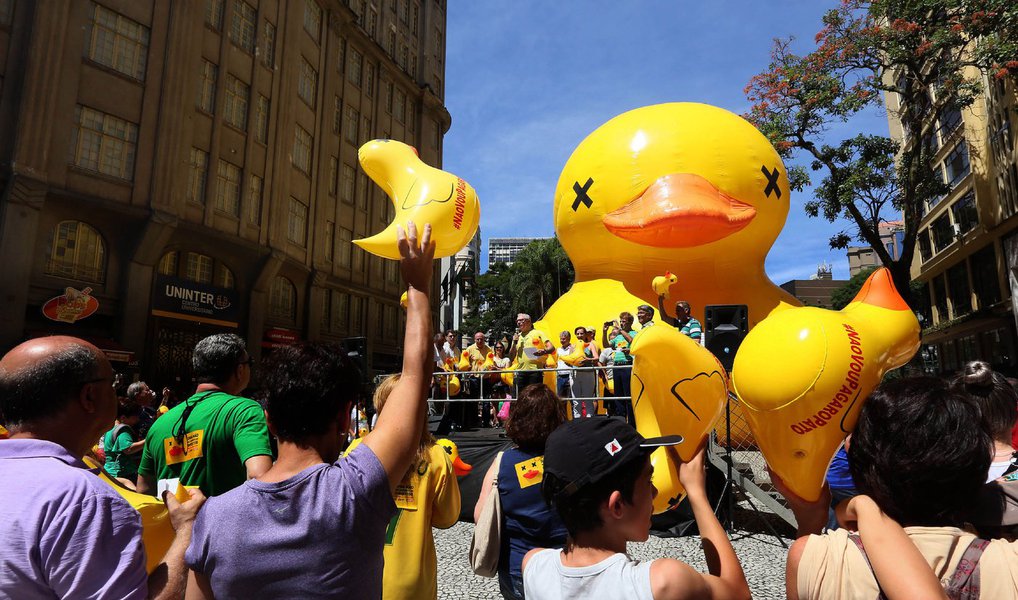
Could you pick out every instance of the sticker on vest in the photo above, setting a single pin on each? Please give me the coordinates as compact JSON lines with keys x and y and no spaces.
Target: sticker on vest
{"x":530,"y":472}
{"x":192,"y":448}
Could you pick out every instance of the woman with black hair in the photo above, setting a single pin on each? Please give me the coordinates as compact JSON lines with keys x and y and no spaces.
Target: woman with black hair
{"x":999,"y":404}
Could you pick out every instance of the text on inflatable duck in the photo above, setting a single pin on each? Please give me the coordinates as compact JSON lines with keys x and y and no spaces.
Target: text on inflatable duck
{"x":802,"y":376}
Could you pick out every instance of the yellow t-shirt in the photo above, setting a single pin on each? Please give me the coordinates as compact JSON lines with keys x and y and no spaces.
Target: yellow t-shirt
{"x":832,"y":567}
{"x":429,"y":496}
{"x":477,"y":357}
{"x":525,"y":347}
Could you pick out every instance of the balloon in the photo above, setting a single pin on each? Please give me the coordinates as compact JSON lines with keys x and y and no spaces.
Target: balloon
{"x":403,"y":300}
{"x":507,"y":377}
{"x":686,"y":188}
{"x":464,"y":363}
{"x":459,"y":467}
{"x":661,"y":283}
{"x":803,"y":375}
{"x":156,"y":531}
{"x":678,"y":387}
{"x":421,"y":194}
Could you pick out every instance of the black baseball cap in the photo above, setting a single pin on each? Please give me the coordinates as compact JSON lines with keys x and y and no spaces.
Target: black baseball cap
{"x":585,"y":451}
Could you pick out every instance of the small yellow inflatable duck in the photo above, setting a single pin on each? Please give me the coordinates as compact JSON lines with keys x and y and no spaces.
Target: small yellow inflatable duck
{"x":662,"y":283}
{"x":683,"y":187}
{"x":803,"y":375}
{"x":422,"y":194}
{"x":458,"y":466}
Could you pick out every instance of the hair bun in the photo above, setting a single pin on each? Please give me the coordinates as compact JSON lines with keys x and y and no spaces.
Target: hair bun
{"x":977,"y":372}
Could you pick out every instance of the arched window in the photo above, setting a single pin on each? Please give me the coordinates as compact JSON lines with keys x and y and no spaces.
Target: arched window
{"x":283,"y":298}
{"x":78,"y":252}
{"x":168,"y":263}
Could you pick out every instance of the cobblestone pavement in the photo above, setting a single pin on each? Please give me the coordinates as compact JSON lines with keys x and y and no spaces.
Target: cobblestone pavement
{"x":761,"y":554}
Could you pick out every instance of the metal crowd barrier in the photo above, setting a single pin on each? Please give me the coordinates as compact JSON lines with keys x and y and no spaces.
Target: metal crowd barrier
{"x":482,"y":379}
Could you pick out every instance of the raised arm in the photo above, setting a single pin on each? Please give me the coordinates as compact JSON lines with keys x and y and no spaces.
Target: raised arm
{"x":664,"y":313}
{"x":399,"y":427}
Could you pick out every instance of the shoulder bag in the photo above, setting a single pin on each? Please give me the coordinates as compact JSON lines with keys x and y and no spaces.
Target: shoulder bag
{"x":487,"y":540}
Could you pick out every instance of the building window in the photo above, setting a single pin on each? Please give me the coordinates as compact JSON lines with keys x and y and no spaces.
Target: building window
{"x":302,"y":143}
{"x":242,"y":28}
{"x":341,"y":312}
{"x":282,"y":299}
{"x":197,"y":175}
{"x":369,"y":81}
{"x":950,"y":120}
{"x":269,"y":40}
{"x":168,"y":263}
{"x":388,"y":96}
{"x":207,"y":87}
{"x":958,"y":285}
{"x":326,"y":321}
{"x":415,"y":14}
{"x":228,"y":188}
{"x":942,"y":232}
{"x":399,"y":107}
{"x":78,"y":252}
{"x":964,"y":210}
{"x":356,"y":314}
{"x":254,"y":201}
{"x":238,"y":95}
{"x":224,"y":277}
{"x":354,"y":66}
{"x":358,"y":259}
{"x":362,"y":191}
{"x":214,"y":14}
{"x":404,"y":11}
{"x":330,"y":240}
{"x":104,"y":143}
{"x":366,"y":129}
{"x":6,"y":12}
{"x":957,"y":164}
{"x":940,"y":298}
{"x":925,"y":252}
{"x":346,"y":184}
{"x":352,"y":119}
{"x":117,"y":42}
{"x":333,"y":175}
{"x":985,"y":276}
{"x":372,"y":23}
{"x":411,"y":118}
{"x":390,"y":45}
{"x":262,"y":119}
{"x":307,"y":82}
{"x":297,"y":222}
{"x":337,"y":114}
{"x":313,"y":19}
{"x":199,"y":268}
{"x":345,"y":245}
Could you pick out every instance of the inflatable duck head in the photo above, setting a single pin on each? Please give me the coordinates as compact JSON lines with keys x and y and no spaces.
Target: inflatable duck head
{"x":685,"y":187}
{"x":458,"y":466}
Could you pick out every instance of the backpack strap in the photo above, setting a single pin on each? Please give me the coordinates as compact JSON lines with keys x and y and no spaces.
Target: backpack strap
{"x":964,"y":584}
{"x":111,"y":438}
{"x":858,"y":544}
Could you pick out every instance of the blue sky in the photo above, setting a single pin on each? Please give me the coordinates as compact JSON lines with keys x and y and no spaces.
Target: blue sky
{"x":526,"y":81}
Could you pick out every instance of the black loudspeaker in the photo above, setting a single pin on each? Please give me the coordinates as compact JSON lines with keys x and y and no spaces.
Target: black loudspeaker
{"x":724,"y":327}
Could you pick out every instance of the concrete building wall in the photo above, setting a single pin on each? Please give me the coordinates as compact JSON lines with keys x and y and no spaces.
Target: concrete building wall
{"x":107,"y":138}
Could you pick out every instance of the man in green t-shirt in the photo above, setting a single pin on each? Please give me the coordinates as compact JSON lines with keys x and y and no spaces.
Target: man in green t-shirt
{"x":622,"y":336}
{"x":216,"y":439}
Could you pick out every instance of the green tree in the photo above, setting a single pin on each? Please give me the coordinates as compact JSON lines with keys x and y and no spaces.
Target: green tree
{"x":844,"y":294}
{"x":540,"y":274}
{"x":491,"y":307}
{"x":928,"y":58}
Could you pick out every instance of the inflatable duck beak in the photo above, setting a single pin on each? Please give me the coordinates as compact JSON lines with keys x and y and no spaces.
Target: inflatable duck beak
{"x":879,"y":290}
{"x":459,"y":467}
{"x":679,"y":210}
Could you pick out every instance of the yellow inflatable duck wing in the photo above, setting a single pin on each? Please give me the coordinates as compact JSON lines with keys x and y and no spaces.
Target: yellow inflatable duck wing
{"x":678,"y":387}
{"x":458,"y":466}
{"x":422,"y":194}
{"x":682,"y":187}
{"x":802,"y":376}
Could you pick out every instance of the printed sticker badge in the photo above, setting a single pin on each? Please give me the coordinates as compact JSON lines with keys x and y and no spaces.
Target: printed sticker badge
{"x":191,"y":449}
{"x":530,"y":472}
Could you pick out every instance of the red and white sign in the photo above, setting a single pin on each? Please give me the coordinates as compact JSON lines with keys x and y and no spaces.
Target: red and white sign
{"x":278,"y":337}
{"x":613,"y":447}
{"x":72,"y":306}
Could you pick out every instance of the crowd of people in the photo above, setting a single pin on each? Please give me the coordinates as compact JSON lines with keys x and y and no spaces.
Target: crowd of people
{"x":589,"y":368}
{"x":276,"y":503}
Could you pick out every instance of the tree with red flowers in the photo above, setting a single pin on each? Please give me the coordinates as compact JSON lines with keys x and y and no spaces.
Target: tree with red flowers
{"x":927,"y":59}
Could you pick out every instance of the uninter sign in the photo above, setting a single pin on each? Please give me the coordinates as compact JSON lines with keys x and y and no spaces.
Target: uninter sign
{"x":182,"y":299}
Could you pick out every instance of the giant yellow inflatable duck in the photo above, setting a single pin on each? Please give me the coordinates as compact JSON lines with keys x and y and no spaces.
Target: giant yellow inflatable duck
{"x":803,"y":375}
{"x":683,"y":187}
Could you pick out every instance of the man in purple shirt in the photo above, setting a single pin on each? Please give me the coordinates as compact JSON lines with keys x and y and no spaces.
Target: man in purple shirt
{"x":313,"y":527}
{"x":66,"y":533}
